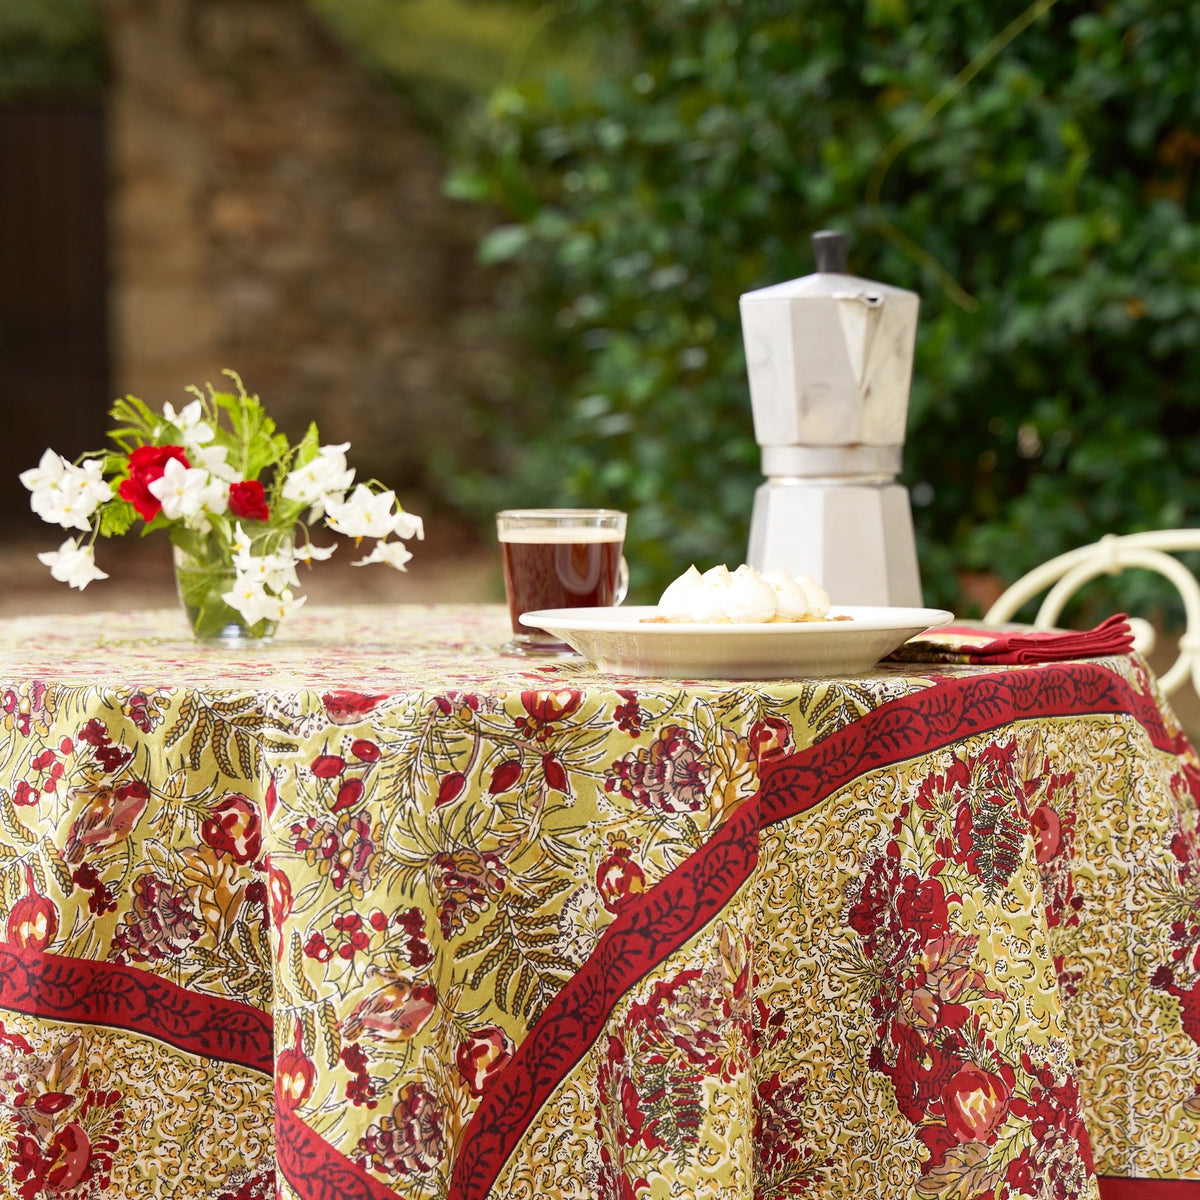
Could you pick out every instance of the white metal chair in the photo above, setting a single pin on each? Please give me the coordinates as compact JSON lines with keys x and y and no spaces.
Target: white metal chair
{"x":1111,"y":555}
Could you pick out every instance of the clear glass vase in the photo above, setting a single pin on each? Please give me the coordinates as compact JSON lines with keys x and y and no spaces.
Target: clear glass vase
{"x":201,"y":582}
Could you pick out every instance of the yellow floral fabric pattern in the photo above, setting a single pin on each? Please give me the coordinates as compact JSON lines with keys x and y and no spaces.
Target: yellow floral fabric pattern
{"x":379,"y":913}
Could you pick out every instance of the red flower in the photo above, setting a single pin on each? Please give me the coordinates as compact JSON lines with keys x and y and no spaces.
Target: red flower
{"x":66,"y":1158}
{"x":505,"y":777}
{"x":279,"y":886}
{"x":364,"y":750}
{"x":247,"y":500}
{"x":484,"y":1054}
{"x":33,"y":920}
{"x":234,"y":828}
{"x":556,"y":776}
{"x":975,"y":1103}
{"x":146,"y":465}
{"x":451,"y":788}
{"x":551,"y":706}
{"x":349,"y":793}
{"x":1047,"y":832}
{"x":294,"y":1074}
{"x":328,"y":766}
{"x":771,"y":738}
{"x":618,"y":877}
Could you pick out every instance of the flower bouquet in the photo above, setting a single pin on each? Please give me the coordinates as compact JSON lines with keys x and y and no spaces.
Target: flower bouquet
{"x":238,"y":501}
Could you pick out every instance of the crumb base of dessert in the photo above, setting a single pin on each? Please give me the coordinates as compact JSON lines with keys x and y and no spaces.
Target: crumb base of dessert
{"x":805,"y":620}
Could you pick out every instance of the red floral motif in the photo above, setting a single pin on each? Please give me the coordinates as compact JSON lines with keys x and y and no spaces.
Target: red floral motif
{"x":365,"y":750}
{"x":668,"y":775}
{"x":771,"y":737}
{"x":628,"y":714}
{"x":785,"y":1163}
{"x":505,"y":777}
{"x":110,"y":757}
{"x":466,"y":883}
{"x":145,"y":708}
{"x":975,"y":1103}
{"x":146,"y":466}
{"x":409,"y":1141}
{"x":948,"y":1077}
{"x":279,"y":888}
{"x":248,"y":501}
{"x":450,"y":788}
{"x":101,"y":900}
{"x":359,"y":1090}
{"x":328,"y":766}
{"x":618,"y":877}
{"x":160,"y":924}
{"x":294,"y":1074}
{"x":544,"y":708}
{"x":33,"y":920}
{"x":234,"y":829}
{"x":26,"y":795}
{"x":53,"y":1156}
{"x":344,"y":849}
{"x":349,"y":794}
{"x":484,"y":1054}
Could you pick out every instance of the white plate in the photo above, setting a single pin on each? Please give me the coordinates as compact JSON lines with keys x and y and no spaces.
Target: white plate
{"x":620,"y":640}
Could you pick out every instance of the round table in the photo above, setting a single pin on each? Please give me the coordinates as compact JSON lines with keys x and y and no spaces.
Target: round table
{"x":376,"y":912}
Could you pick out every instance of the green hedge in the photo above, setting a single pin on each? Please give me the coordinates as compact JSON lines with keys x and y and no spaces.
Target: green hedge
{"x":1047,"y":213}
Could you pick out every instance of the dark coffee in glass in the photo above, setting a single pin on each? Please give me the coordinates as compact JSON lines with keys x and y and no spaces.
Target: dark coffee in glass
{"x":558,"y":558}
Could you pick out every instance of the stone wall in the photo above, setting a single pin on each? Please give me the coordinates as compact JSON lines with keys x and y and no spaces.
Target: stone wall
{"x":275,"y":211}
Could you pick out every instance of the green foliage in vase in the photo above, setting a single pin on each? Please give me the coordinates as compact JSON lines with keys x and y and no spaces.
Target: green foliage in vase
{"x":1032,"y":173}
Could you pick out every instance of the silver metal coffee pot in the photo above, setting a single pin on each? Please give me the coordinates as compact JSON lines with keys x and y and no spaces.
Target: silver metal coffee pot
{"x":829,"y":359}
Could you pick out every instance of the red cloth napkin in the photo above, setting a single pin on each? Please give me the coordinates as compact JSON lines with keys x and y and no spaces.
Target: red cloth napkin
{"x":964,"y":643}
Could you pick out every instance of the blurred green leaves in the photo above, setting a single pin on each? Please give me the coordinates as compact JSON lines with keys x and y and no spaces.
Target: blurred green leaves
{"x":1058,"y":189}
{"x":51,"y":47}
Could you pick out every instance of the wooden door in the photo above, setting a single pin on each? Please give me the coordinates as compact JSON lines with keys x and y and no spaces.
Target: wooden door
{"x":53,"y":290}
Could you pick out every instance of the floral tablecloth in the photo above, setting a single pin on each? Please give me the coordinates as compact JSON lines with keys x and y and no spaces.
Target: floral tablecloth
{"x":375,"y":912}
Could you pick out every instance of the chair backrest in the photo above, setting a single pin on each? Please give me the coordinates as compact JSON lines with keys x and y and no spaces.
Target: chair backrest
{"x":1111,"y":555}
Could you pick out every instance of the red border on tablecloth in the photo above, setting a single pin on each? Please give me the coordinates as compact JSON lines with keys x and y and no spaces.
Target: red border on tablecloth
{"x":316,"y":1170}
{"x":1114,"y":1188}
{"x":655,"y":924}
{"x":85,"y":992}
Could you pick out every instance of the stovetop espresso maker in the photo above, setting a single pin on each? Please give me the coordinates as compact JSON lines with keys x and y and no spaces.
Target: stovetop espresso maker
{"x":829,"y":359}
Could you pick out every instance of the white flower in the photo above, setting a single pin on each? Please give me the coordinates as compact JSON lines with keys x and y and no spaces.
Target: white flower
{"x":212,"y":459}
{"x":364,"y":514}
{"x":321,"y":481}
{"x":395,"y":554}
{"x":308,"y":553}
{"x":72,"y":564}
{"x":279,"y":608}
{"x":188,"y":492}
{"x":49,"y":471}
{"x":193,"y":429}
{"x":255,"y":604}
{"x":63,"y":494}
{"x":409,"y":524}
{"x":275,"y":571}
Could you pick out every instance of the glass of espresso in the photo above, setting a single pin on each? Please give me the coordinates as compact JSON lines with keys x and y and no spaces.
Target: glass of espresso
{"x":559,"y":558}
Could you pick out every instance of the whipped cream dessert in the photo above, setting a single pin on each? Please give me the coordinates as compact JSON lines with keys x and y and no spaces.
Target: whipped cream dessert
{"x":743,"y":596}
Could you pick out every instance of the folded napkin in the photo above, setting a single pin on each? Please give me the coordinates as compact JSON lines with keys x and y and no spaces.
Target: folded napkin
{"x":971,"y":644}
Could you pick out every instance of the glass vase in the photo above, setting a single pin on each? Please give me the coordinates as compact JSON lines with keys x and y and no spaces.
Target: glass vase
{"x":201,"y":582}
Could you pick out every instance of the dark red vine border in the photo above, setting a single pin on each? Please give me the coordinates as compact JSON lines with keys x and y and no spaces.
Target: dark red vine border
{"x":86,"y":992}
